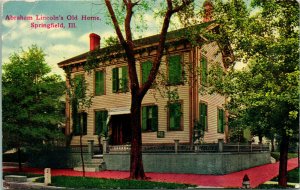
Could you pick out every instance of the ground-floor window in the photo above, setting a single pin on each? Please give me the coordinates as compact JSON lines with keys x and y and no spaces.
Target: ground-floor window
{"x":203,"y":116}
{"x":100,"y":122}
{"x":221,"y":120}
{"x":80,"y":124}
{"x":149,"y":118}
{"x":175,"y":116}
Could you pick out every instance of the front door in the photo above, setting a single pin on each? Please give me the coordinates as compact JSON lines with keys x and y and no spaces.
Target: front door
{"x":121,"y":131}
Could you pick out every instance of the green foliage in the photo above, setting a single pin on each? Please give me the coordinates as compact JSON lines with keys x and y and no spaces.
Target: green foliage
{"x":31,"y":108}
{"x":99,"y":183}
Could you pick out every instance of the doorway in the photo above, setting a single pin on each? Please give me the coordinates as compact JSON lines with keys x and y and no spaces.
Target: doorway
{"x":121,"y":131}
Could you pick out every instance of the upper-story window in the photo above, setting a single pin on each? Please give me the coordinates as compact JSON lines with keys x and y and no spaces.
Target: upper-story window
{"x":99,"y":83}
{"x":120,"y":79}
{"x":204,"y":71}
{"x":146,"y":67}
{"x":79,"y":86}
{"x":175,"y":70}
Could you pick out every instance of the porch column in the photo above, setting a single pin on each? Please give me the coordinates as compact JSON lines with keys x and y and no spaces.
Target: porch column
{"x":105,"y":146}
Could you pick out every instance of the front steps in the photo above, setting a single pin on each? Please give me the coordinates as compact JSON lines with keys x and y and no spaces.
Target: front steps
{"x":93,"y":165}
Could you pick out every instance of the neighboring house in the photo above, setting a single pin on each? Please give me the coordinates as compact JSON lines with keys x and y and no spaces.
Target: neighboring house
{"x":163,"y":121}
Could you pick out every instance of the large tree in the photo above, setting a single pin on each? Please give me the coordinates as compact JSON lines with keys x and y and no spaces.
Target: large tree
{"x":265,"y":93}
{"x":32,"y":109}
{"x":122,"y":13}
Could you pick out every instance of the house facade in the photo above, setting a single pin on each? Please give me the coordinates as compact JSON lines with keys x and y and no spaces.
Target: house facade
{"x":184,"y":70}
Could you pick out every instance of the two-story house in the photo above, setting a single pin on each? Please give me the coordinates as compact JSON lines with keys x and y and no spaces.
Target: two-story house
{"x":184,"y":68}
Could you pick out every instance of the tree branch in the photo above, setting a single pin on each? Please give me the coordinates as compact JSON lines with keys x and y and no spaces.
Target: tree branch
{"x":161,"y":44}
{"x":115,"y":22}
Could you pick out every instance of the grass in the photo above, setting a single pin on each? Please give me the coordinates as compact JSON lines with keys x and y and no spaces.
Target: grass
{"x":277,"y":154}
{"x":274,"y":186}
{"x":99,"y":183}
{"x":293,"y":176}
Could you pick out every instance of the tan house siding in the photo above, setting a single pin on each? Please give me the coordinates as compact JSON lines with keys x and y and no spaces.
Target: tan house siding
{"x":214,"y":101}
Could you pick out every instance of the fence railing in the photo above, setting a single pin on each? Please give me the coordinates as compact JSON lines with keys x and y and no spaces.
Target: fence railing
{"x":177,"y":148}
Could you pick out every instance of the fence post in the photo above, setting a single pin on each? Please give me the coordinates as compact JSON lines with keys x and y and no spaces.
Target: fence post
{"x":251,"y":147}
{"x":220,"y":145}
{"x":91,"y":148}
{"x":176,"y":145}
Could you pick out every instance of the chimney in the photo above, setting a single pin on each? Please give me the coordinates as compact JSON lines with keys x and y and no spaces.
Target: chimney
{"x":94,"y":41}
{"x":208,"y":11}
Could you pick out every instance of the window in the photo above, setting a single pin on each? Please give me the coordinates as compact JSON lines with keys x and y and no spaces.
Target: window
{"x":120,"y":79}
{"x":149,"y":118}
{"x":175,"y":116}
{"x":79,"y":84}
{"x":175,"y":70}
{"x":146,"y":67}
{"x":99,"y":83}
{"x":221,"y":120}
{"x":100,"y":122}
{"x":80,"y":124}
{"x":203,"y":71}
{"x":203,"y":116}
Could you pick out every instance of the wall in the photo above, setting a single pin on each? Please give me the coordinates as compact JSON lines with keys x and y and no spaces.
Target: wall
{"x":197,"y":163}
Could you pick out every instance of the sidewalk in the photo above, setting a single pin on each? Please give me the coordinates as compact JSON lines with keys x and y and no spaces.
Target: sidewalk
{"x":257,"y":175}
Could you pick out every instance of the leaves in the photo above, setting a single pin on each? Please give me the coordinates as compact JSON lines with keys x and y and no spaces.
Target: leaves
{"x":32,"y":108}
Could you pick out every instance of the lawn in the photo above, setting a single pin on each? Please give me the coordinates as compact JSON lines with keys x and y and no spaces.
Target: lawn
{"x":99,"y":183}
{"x":293,"y":177}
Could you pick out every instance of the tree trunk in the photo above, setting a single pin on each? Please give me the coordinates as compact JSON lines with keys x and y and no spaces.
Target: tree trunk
{"x":272,"y":145}
{"x":136,"y":162}
{"x":81,"y":155}
{"x":19,"y":159}
{"x":284,"y":147}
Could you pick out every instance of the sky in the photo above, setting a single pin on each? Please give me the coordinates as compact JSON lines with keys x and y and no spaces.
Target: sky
{"x":59,"y":43}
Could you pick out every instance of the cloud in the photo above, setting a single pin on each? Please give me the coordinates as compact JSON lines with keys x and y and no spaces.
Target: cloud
{"x":61,"y":34}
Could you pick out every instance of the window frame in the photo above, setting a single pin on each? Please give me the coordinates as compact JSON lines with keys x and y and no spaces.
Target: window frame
{"x":181,"y":128}
{"x":104,"y":82}
{"x":119,"y":87}
{"x":149,"y":105}
{"x":79,"y":116}
{"x":95,"y":119}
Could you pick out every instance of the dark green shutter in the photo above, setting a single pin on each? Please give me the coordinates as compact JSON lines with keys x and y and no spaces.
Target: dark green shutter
{"x":115,"y":80}
{"x":144,"y":118}
{"x":203,"y":71}
{"x":99,"y":83}
{"x":175,"y":70}
{"x":203,"y":115}
{"x":175,"y":116}
{"x":104,"y":126}
{"x":221,"y":118}
{"x":146,"y":67}
{"x":154,"y":118}
{"x":124,"y":79}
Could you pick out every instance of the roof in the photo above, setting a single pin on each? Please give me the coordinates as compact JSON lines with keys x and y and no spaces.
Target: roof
{"x":173,"y":35}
